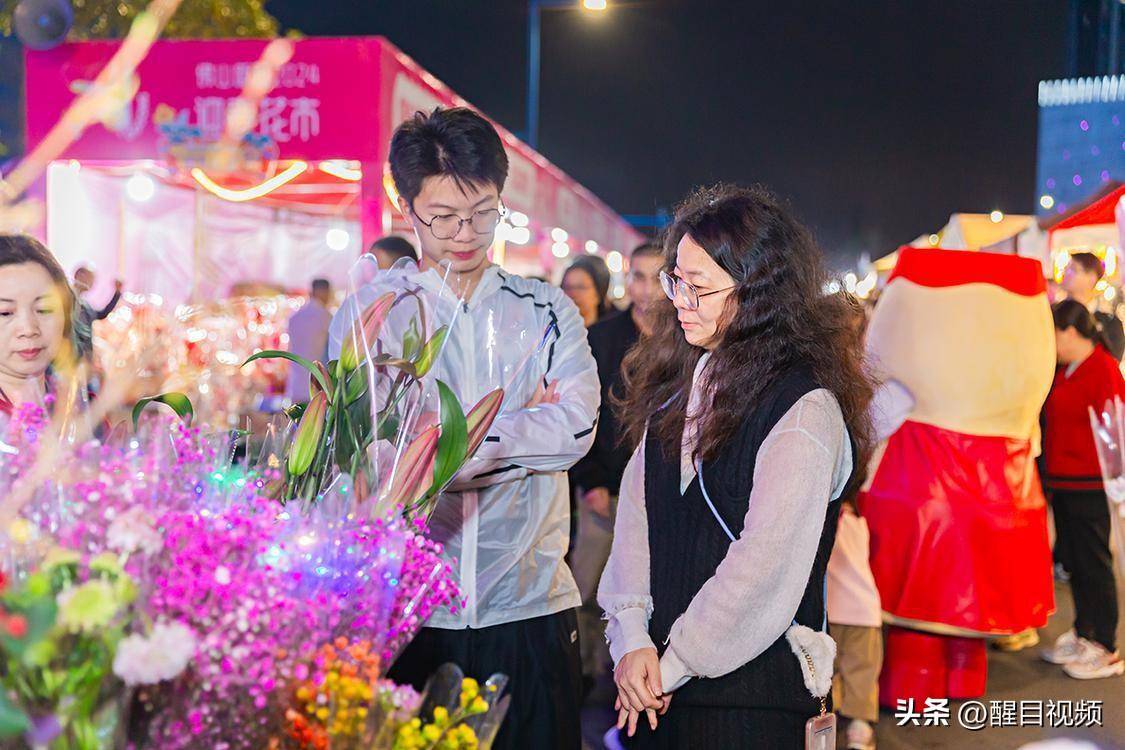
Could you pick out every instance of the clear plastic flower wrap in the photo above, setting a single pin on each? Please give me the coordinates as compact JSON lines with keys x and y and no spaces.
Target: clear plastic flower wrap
{"x":380,"y":411}
{"x":234,"y":592}
{"x":1108,"y":427}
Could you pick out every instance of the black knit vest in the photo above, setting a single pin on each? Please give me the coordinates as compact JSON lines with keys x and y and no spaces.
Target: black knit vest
{"x":687,"y":544}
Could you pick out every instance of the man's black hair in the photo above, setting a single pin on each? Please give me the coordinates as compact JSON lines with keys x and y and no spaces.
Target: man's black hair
{"x":395,"y":246}
{"x":455,"y":142}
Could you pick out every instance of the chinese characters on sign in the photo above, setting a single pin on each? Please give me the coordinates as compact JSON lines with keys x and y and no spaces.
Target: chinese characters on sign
{"x":226,"y":76}
{"x":975,"y":715}
{"x":281,"y":118}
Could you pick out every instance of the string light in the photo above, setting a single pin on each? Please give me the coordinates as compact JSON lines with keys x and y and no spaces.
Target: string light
{"x":615,"y":261}
{"x":140,"y":188}
{"x":248,"y":194}
{"x":1046,"y":201}
{"x":591,"y":247}
{"x":996,"y":216}
{"x":337,"y":239}
{"x":341,"y":169}
{"x":558,"y":234}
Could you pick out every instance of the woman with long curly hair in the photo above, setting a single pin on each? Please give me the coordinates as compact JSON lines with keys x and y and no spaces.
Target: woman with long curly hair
{"x":748,"y":405}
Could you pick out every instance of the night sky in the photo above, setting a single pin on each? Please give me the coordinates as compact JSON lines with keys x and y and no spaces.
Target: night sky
{"x":876,"y":119}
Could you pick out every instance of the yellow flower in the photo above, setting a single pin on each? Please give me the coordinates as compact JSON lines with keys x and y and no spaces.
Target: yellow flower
{"x":431,"y":732}
{"x":106,"y":562}
{"x":87,"y":607}
{"x":57,"y":556}
{"x":467,"y":738}
{"x":441,"y":716}
{"x":478,"y":706}
{"x":469,"y":685}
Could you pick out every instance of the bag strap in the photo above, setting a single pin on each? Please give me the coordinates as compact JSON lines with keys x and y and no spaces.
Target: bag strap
{"x":730,"y":535}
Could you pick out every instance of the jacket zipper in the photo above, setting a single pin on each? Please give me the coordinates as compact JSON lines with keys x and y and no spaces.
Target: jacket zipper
{"x":470,"y":518}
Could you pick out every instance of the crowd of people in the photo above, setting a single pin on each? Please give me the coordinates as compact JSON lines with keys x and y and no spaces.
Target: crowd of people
{"x":675,"y":504}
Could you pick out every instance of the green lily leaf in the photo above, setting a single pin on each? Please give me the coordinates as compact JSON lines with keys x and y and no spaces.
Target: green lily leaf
{"x":13,"y":721}
{"x":355,"y":385}
{"x":454,"y":439}
{"x":389,"y":424}
{"x":178,"y":402}
{"x":411,"y":340}
{"x":353,"y":430}
{"x":425,"y":359}
{"x":314,"y":371}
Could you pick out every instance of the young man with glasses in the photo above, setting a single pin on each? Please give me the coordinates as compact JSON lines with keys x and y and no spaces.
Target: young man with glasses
{"x":505,"y":520}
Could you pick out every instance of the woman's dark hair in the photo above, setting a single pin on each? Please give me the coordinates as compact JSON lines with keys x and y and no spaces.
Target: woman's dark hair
{"x":1073,"y":314}
{"x":455,"y":142}
{"x":598,"y":272}
{"x":779,"y":318}
{"x":1089,"y":263}
{"x":19,"y":248}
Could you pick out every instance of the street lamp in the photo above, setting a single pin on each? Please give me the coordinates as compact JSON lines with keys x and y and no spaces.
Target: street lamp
{"x":533,"y":9}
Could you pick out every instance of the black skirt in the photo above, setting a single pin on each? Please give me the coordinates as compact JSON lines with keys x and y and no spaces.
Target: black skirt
{"x":689,"y":727}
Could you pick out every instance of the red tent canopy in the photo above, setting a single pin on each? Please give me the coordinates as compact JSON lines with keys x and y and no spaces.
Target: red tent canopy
{"x":1098,"y":212}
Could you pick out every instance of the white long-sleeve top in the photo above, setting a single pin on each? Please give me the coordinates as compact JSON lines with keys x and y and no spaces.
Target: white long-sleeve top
{"x":803,"y":464}
{"x":505,"y":525}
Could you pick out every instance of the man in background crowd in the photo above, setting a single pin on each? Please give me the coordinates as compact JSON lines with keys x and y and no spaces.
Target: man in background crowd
{"x":308,"y":337}
{"x":1080,"y":284}
{"x":85,"y":314}
{"x":387,"y":250}
{"x":597,"y":477}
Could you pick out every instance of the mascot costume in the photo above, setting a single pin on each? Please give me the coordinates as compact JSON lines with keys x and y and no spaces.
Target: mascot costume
{"x":959,"y":547}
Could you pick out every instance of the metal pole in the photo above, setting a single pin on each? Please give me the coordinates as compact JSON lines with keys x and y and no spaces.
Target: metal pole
{"x":533,"y":73}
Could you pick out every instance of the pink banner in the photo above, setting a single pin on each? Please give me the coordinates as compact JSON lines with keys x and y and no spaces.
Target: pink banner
{"x":337,"y":98}
{"x":325,"y":104}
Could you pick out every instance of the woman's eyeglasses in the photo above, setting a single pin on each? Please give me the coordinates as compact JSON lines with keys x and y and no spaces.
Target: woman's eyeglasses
{"x":673,"y":285}
{"x":448,"y":226}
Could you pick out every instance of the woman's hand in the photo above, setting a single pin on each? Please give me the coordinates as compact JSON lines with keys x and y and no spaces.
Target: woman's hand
{"x":638,"y":680}
{"x":626,"y":716}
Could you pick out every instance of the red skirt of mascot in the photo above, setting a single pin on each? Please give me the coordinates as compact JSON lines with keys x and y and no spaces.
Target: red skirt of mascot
{"x":958,"y":522}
